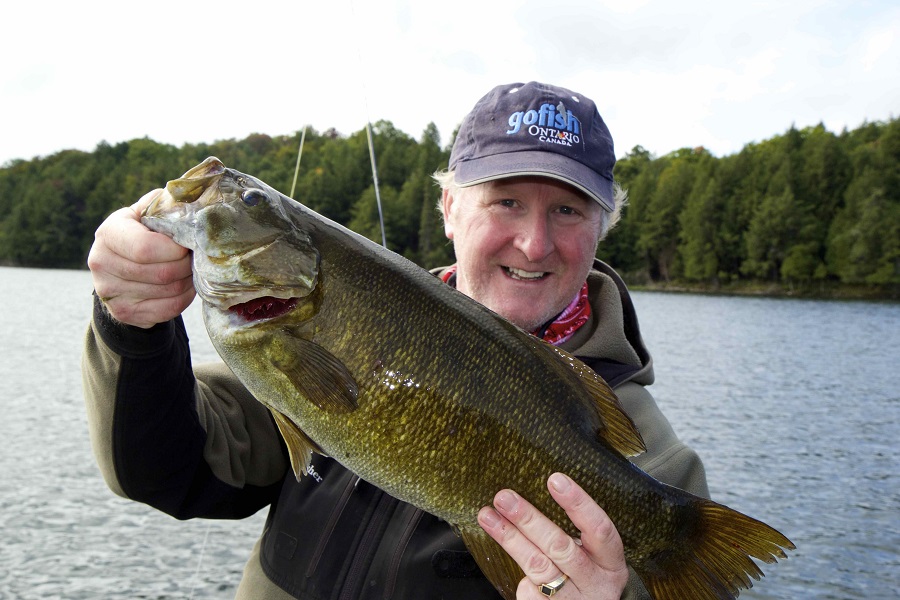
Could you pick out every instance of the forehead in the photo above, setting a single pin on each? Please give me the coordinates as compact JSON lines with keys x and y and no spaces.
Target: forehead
{"x":531,"y":185}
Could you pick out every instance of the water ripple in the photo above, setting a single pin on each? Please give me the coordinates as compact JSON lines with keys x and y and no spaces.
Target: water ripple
{"x":792,"y":405}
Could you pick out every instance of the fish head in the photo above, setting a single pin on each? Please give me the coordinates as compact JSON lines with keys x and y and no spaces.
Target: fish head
{"x":250,"y":258}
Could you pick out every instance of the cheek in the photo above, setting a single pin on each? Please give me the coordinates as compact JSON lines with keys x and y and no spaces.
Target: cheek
{"x":578,"y":250}
{"x":475,"y":233}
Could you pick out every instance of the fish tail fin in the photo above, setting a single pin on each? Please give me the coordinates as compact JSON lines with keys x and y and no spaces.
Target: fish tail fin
{"x":715,"y":561}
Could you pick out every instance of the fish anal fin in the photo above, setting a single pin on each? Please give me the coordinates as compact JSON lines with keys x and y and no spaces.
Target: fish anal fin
{"x":317,"y":374}
{"x":300,"y":447}
{"x":498,"y":566}
{"x":617,"y":430}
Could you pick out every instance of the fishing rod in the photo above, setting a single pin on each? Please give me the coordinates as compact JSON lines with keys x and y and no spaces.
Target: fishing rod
{"x":374,"y":175}
{"x":375,"y":181}
{"x":369,"y":138}
{"x":297,"y":168}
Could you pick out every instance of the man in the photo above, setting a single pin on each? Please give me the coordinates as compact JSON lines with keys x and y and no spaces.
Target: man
{"x":528,"y":196}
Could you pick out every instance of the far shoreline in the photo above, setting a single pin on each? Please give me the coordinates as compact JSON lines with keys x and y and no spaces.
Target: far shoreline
{"x":807,"y":290}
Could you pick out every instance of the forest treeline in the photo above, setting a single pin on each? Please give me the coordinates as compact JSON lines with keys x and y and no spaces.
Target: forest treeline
{"x":809,"y":207}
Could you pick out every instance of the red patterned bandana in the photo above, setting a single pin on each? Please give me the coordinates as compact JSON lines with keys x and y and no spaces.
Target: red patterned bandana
{"x":564,"y":326}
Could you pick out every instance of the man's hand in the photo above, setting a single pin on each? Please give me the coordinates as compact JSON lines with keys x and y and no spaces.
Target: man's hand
{"x":142,"y":277}
{"x":594,"y":566}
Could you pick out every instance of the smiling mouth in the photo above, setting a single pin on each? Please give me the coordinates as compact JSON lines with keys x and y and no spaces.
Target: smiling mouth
{"x":522,"y":275}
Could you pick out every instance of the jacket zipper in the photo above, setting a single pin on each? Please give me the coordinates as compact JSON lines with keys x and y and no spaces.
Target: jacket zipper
{"x":360,"y":565}
{"x":411,"y":524}
{"x":332,"y":523}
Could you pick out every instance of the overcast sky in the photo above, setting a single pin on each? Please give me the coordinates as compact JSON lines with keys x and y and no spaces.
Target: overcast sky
{"x":664,"y":74}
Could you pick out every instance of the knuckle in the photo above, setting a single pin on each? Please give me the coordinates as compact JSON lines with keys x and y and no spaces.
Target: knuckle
{"x":526,"y":517}
{"x":561,"y":546}
{"x":142,"y":249}
{"x":620,"y":576}
{"x":604,"y":530}
{"x":539,"y":563}
{"x":166,"y":274}
{"x":121,"y":311}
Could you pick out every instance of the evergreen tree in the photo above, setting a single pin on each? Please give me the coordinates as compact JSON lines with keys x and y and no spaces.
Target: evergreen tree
{"x":619,"y":248}
{"x":801,"y":206}
{"x":699,"y":232}
{"x":659,"y":229}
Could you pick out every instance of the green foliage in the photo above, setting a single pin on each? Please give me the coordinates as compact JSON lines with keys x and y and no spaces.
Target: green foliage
{"x":808,"y":205}
{"x":864,"y":237}
{"x":50,"y":207}
{"x":805,"y":206}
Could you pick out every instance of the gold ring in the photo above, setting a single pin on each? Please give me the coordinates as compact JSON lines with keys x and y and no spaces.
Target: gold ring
{"x":548,"y":589}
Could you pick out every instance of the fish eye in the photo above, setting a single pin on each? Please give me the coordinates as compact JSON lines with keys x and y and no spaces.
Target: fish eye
{"x":252,"y":197}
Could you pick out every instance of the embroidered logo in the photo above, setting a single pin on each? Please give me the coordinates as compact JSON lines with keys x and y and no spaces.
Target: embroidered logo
{"x":549,"y":124}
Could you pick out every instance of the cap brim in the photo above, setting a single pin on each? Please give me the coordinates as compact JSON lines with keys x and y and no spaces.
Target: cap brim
{"x":537,"y":163}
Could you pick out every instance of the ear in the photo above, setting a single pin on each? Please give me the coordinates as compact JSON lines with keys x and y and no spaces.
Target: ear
{"x":447,"y":211}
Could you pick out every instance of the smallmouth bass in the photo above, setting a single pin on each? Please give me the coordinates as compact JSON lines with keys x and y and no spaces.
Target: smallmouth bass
{"x":362,"y":356}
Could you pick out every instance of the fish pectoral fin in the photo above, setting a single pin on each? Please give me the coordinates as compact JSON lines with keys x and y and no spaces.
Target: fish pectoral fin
{"x":318,"y":375}
{"x":300,"y":447}
{"x":498,"y":566}
{"x":617,"y":430}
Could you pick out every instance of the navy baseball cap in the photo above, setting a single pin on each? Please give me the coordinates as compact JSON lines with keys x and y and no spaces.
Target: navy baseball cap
{"x":536,"y":129}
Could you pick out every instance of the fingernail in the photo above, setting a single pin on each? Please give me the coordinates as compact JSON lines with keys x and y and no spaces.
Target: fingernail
{"x":560,"y":482}
{"x":506,"y":501}
{"x":490,"y":517}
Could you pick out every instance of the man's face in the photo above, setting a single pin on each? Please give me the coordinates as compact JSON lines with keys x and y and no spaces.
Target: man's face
{"x":524,"y":245}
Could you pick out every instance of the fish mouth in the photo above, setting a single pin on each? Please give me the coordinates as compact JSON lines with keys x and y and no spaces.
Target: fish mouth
{"x":523,"y":275}
{"x":264,"y":308}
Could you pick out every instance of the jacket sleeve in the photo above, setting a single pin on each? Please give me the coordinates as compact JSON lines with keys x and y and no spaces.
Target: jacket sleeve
{"x":667,"y":458}
{"x":189,"y":443}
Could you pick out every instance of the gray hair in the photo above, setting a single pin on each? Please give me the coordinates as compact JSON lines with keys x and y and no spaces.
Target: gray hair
{"x":447,"y":180}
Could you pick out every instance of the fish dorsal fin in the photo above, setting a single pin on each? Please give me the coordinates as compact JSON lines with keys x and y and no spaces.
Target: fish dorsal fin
{"x":317,"y":374}
{"x":493,"y":560}
{"x":617,"y":430}
{"x":300,"y":447}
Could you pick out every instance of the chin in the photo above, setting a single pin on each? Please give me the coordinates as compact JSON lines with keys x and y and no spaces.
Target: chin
{"x":527,"y":323}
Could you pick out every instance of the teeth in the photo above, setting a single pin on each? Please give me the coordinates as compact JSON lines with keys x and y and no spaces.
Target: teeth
{"x":520,"y":274}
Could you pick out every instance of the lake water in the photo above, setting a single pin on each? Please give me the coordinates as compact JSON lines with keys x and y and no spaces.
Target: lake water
{"x":792,"y":404}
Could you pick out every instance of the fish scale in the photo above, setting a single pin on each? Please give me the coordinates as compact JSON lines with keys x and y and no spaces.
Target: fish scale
{"x":428,"y":395}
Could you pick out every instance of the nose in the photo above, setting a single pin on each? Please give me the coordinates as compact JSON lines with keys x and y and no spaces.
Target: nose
{"x":535,"y":238}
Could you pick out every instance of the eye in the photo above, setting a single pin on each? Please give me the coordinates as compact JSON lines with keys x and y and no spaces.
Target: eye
{"x":252,"y":197}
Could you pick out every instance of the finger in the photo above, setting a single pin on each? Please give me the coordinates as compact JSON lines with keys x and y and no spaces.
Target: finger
{"x":126,"y":236}
{"x":144,"y":201}
{"x":530,"y":538}
{"x":147,"y":313}
{"x":131,"y":299}
{"x":123,"y":234}
{"x":520,"y":549}
{"x":599,"y":537}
